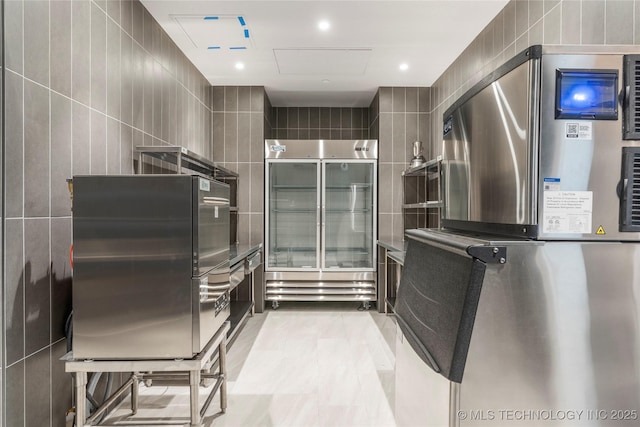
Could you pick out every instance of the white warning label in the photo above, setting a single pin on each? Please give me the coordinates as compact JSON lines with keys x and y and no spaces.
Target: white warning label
{"x":567,"y":212}
{"x":579,"y":131}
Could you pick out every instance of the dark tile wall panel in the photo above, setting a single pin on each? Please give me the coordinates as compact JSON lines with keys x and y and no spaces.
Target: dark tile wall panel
{"x":83,"y":88}
{"x":241,"y":122}
{"x":398,"y":116}
{"x":320,"y":122}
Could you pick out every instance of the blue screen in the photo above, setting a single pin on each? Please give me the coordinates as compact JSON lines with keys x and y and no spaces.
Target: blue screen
{"x":587,"y":94}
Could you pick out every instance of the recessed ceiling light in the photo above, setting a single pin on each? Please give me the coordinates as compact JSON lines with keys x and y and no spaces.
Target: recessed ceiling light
{"x":404,"y":66}
{"x":239,"y":66}
{"x":326,"y":81}
{"x":324,"y":25}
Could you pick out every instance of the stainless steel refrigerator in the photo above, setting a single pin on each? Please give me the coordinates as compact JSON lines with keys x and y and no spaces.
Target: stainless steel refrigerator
{"x":527,"y":301}
{"x":320,"y":214}
{"x":151,"y":265}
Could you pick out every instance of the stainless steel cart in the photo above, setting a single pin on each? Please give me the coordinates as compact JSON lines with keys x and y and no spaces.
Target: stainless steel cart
{"x":197,"y":368}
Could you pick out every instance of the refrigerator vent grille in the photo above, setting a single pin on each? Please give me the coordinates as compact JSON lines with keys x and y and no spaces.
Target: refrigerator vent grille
{"x":632,"y":85}
{"x":635,"y":190}
{"x":629,"y":190}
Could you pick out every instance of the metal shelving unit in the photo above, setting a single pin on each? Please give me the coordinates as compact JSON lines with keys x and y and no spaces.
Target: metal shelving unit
{"x":422,"y":195}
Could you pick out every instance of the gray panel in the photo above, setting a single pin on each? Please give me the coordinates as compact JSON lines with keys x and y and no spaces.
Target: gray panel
{"x":345,"y":119}
{"x":113,"y":68}
{"x":400,"y":151}
{"x":81,"y":138}
{"x":230,"y":137}
{"x":257,"y":138}
{"x":314,"y":117}
{"x":411,"y":100}
{"x":98,"y":143}
{"x":137,"y":27}
{"x":593,"y":22}
{"x":536,"y":10}
{"x":257,"y":99}
{"x":386,"y":99}
{"x":137,"y":91}
{"x":60,"y":155}
{"x":15,"y":398}
{"x":230,"y":98}
{"x":126,"y":15}
{"x":398,"y":100}
{"x":126,"y":149}
{"x":126,"y":86}
{"x":325,"y":118}
{"x":522,"y":17}
{"x":60,"y":275}
{"x":386,"y":137}
{"x":244,"y":137}
{"x":257,"y":188}
{"x":113,"y":146}
{"x":37,"y":388}
{"x":13,"y":35}
{"x":60,"y":386}
{"x":553,"y":325}
{"x":322,"y":149}
{"x":98,"y":58}
{"x":619,"y":22}
{"x":36,"y":41}
{"x":14,"y":147}
{"x":14,"y":291}
{"x":37,"y":278}
{"x":147,"y":95}
{"x":553,"y":26}
{"x":244,"y":98}
{"x":61,"y":46}
{"x":336,"y":118}
{"x":36,"y":149}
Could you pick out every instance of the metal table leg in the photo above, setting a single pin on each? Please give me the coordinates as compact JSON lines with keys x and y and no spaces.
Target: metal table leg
{"x":81,"y":398}
{"x":134,"y":394}
{"x":194,"y":382}
{"x":222,"y":359}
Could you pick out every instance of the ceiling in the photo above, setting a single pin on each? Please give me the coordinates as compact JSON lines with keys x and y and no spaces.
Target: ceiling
{"x":282,"y":48}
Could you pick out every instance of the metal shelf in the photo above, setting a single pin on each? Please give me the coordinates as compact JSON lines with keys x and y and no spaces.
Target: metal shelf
{"x":424,"y":205}
{"x":424,"y":168}
{"x":184,"y":158}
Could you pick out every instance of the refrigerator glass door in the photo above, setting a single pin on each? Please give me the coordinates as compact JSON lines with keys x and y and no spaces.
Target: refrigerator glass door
{"x":293,"y":216}
{"x":348,"y":218}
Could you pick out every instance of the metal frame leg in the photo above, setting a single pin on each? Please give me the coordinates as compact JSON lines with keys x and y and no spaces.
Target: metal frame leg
{"x":222,"y":362}
{"x":194,"y":383}
{"x":134,"y":394}
{"x":81,"y":398}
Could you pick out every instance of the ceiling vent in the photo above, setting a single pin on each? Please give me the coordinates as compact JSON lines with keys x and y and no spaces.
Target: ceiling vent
{"x":215,"y":32}
{"x":344,"y":62}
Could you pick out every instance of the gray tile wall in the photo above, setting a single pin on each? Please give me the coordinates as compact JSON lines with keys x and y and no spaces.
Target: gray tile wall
{"x":85,"y":83}
{"x":527,"y":22}
{"x":320,"y":123}
{"x":240,"y":123}
{"x":399,"y":116}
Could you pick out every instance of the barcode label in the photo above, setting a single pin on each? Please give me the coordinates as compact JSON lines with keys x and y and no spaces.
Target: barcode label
{"x":579,"y":130}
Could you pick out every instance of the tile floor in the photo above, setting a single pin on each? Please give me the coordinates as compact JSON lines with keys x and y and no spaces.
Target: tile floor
{"x":303,"y":365}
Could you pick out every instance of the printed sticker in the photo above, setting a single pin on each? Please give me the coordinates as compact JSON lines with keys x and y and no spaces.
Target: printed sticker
{"x":205,"y":185}
{"x":579,"y":131}
{"x":551,"y":184}
{"x":567,"y":212}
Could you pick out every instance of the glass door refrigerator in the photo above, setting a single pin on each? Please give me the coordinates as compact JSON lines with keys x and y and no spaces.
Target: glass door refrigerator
{"x":320,"y":213}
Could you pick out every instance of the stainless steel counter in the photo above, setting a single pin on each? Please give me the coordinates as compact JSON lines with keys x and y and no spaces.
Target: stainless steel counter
{"x":395,"y":245}
{"x":241,"y":251}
